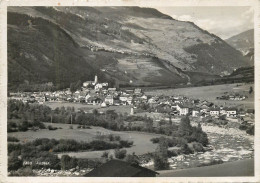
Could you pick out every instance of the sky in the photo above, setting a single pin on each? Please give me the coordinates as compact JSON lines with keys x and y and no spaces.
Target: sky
{"x":224,"y":22}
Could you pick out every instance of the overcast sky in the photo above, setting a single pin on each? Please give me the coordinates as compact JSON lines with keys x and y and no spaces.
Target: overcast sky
{"x":221,"y":21}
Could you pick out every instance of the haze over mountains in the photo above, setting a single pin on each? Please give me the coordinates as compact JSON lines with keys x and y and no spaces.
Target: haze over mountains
{"x":128,"y":45}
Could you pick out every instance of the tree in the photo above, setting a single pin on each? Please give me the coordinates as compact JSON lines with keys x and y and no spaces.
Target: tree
{"x":120,"y":154}
{"x":132,"y":159}
{"x":161,"y":155}
{"x":250,"y":90}
{"x":185,"y":128}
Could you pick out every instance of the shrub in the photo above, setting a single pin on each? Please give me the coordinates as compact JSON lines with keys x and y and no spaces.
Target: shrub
{"x":105,"y":154}
{"x":14,"y":147}
{"x":243,"y":127}
{"x":155,"y":140}
{"x":172,"y":153}
{"x":68,"y":162}
{"x":117,"y":138}
{"x":120,"y":154}
{"x":160,"y":163}
{"x":27,"y":171}
{"x":186,"y":150}
{"x":52,"y":128}
{"x":14,"y":163}
{"x":132,"y":159}
{"x":251,"y":130}
{"x":198,"y":147}
{"x":12,"y":139}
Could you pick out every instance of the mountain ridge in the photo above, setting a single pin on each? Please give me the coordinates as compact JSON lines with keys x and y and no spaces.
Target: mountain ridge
{"x":128,"y":46}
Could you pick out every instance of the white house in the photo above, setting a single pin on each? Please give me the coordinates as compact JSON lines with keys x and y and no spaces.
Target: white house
{"x":231,"y":112}
{"x":214,"y":111}
{"x":87,"y":83}
{"x":98,"y":86}
{"x":195,"y":112}
{"x":182,"y":109}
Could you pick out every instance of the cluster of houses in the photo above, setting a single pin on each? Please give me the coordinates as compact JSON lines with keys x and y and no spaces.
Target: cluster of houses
{"x":232,"y":97}
{"x":91,"y":92}
{"x":180,"y":105}
{"x":95,"y":93}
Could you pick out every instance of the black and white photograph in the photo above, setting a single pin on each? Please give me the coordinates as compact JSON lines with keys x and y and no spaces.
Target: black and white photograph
{"x":130,"y":91}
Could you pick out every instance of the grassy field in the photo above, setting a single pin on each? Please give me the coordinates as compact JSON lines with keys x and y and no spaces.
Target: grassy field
{"x":238,"y":168}
{"x":142,"y":143}
{"x":81,"y":106}
{"x":211,"y":92}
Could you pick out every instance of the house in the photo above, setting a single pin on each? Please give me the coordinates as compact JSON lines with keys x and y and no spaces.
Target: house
{"x":129,"y":100}
{"x":183,"y":110}
{"x":138,"y":91}
{"x":94,"y":100}
{"x":195,"y":112}
{"x":118,"y":168}
{"x":214,"y":111}
{"x":123,"y":98}
{"x":87,"y":83}
{"x":111,"y":90}
{"x":109,"y":100}
{"x":98,"y":86}
{"x":231,"y":112}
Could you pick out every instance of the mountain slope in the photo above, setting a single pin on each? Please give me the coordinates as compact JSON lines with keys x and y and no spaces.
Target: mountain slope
{"x":141,"y":45}
{"x":244,"y":42}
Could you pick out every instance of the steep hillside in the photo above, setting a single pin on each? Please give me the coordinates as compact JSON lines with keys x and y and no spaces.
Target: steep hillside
{"x":130,"y":45}
{"x":244,"y":42}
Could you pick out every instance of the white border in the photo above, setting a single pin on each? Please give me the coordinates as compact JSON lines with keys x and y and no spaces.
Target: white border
{"x":142,"y":3}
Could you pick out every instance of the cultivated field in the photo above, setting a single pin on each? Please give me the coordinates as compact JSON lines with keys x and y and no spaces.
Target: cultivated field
{"x":211,"y":92}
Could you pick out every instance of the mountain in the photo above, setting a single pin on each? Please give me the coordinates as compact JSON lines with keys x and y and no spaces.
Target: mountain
{"x":244,"y":42}
{"x":123,"y":45}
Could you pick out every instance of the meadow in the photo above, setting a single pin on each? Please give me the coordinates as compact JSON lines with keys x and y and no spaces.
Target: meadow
{"x":211,"y":92}
{"x":86,"y":107}
{"x":142,"y":143}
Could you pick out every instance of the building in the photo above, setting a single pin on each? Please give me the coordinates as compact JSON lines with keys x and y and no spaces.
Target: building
{"x":109,"y":100}
{"x":87,"y":83}
{"x":118,"y":168}
{"x":183,"y":110}
{"x":195,"y":112}
{"x":231,"y":112}
{"x":214,"y":111}
{"x":96,"y":79}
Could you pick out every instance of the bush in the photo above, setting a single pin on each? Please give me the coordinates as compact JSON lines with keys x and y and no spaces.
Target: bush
{"x":186,"y":150}
{"x":12,"y":139}
{"x":52,"y":128}
{"x":198,"y":147}
{"x":132,"y":159}
{"x":14,"y":147}
{"x":27,"y":171}
{"x":105,"y":154}
{"x":251,"y":130}
{"x":117,"y":138}
{"x":160,"y":163}
{"x":68,"y":162}
{"x":120,"y":154}
{"x":243,"y":127}
{"x":155,"y":140}
{"x":172,"y":153}
{"x":14,"y":163}
{"x":24,"y":126}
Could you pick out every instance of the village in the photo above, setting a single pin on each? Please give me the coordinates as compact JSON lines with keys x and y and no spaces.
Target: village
{"x":99,"y":94}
